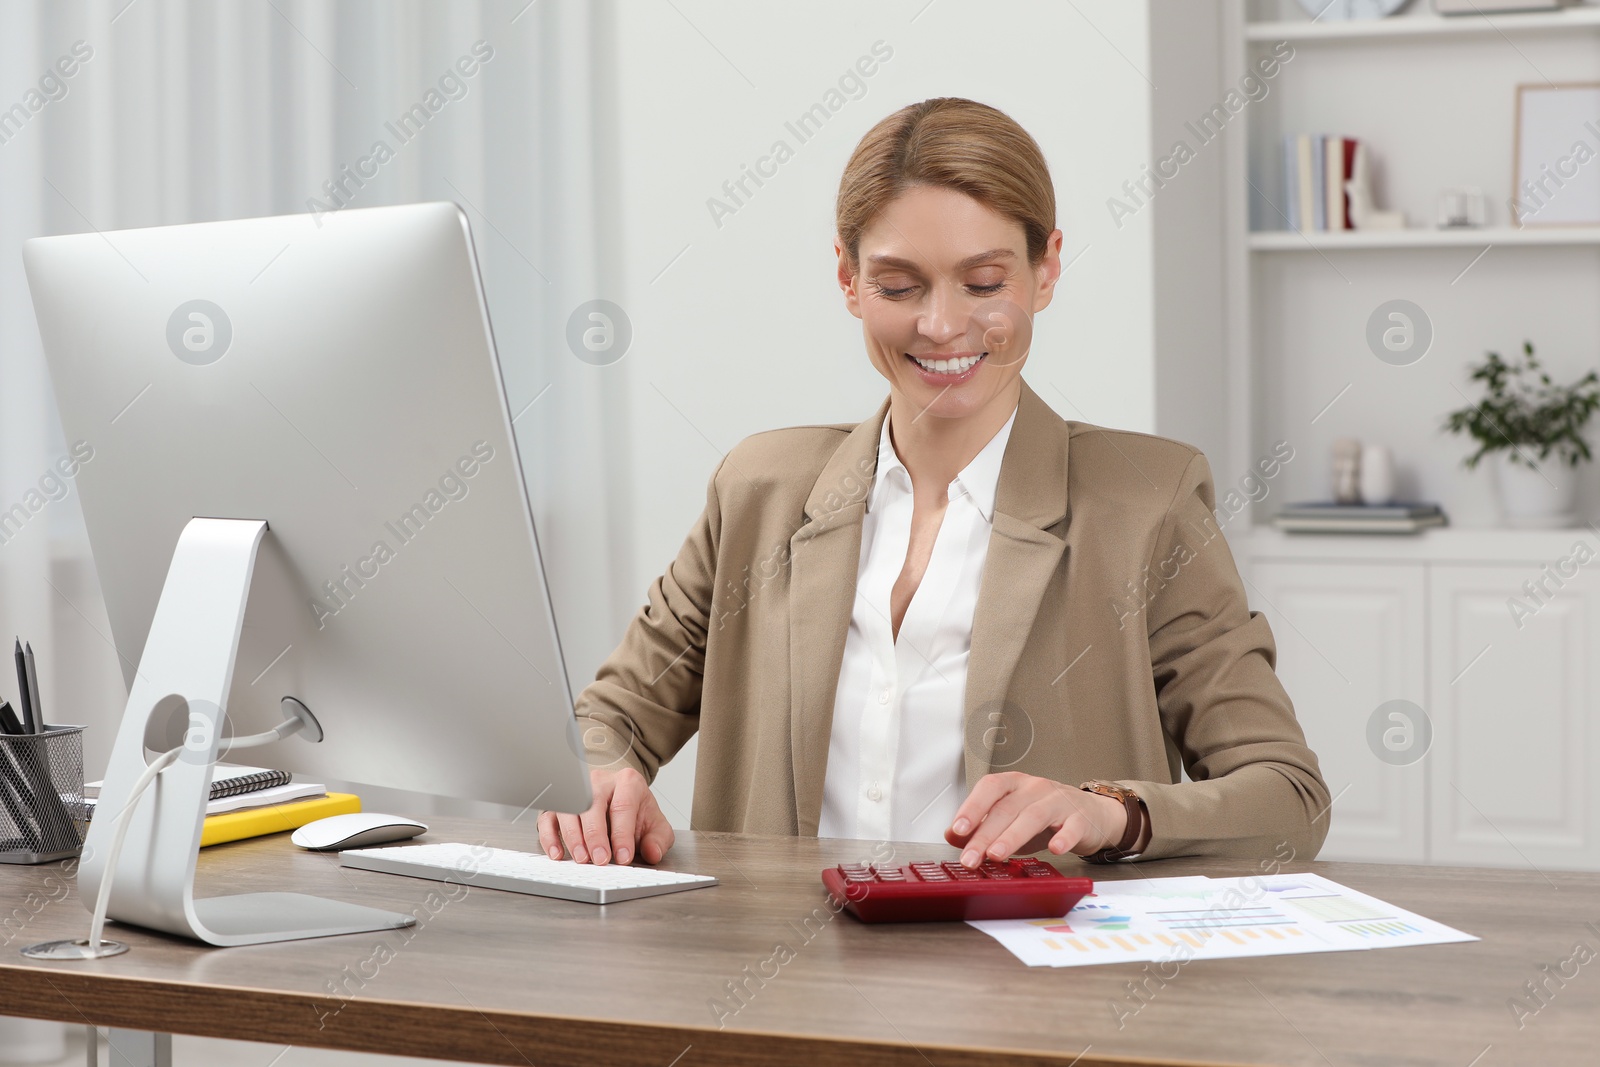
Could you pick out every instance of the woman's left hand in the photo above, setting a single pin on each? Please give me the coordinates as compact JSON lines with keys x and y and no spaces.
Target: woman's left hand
{"x":1011,"y":813}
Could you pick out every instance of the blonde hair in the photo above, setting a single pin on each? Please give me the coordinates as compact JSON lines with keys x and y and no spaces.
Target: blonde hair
{"x":953,"y":143}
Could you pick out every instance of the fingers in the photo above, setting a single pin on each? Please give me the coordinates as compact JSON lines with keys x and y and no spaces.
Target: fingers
{"x":656,"y":835}
{"x":595,"y":838}
{"x":984,"y":795}
{"x":578,"y":831}
{"x":624,"y":821}
{"x":549,"y":835}
{"x":1012,"y":812}
{"x":1073,"y":833}
{"x":1011,"y":824}
{"x":572,"y":836}
{"x":1099,"y":822}
{"x":639,"y":829}
{"x":999,"y":797}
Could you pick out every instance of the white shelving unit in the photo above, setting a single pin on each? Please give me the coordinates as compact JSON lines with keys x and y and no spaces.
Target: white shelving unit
{"x":1415,"y":237}
{"x":1425,"y":25}
{"x":1360,"y":620}
{"x":1434,"y":99}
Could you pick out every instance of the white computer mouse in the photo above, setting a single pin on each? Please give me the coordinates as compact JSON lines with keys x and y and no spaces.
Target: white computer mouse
{"x":360,"y":829}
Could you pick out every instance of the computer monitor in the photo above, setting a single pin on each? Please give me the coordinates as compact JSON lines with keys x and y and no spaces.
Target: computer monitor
{"x":336,"y":379}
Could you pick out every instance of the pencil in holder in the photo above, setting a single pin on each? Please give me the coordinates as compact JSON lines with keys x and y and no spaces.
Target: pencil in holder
{"x":42,"y":810}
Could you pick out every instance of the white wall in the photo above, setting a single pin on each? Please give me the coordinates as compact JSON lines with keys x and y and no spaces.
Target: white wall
{"x":737,"y":328}
{"x":1192,"y":398}
{"x":193,"y":111}
{"x":741,"y":328}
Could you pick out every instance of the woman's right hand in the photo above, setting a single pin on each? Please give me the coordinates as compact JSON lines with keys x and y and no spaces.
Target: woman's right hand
{"x":623,"y":822}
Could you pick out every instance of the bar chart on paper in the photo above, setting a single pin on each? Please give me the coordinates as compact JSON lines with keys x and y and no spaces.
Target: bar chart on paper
{"x":1392,"y":928}
{"x":1134,"y":945}
{"x":1204,"y":918}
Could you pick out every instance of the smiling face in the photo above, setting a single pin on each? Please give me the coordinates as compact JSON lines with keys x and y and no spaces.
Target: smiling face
{"x":946,"y":298}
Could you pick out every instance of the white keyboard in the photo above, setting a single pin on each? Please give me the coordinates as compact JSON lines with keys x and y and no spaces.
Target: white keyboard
{"x":522,"y":872}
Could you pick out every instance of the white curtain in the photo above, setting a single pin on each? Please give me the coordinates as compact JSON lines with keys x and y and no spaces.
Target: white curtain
{"x":178,"y":111}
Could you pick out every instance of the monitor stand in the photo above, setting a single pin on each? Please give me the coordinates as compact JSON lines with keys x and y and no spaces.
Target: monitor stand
{"x":188,"y":660}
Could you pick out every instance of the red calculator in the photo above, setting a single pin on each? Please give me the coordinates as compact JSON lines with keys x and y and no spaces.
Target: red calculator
{"x":934,"y":890}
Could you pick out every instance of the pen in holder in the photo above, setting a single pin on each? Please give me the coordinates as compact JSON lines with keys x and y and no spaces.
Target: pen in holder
{"x":42,"y":810}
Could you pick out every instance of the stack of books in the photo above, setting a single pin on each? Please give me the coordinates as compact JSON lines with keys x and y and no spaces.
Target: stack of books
{"x":1315,"y":169}
{"x":1317,"y":517}
{"x":253,"y":801}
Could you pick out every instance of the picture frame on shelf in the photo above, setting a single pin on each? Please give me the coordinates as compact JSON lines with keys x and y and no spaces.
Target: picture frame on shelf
{"x":1556,"y":158}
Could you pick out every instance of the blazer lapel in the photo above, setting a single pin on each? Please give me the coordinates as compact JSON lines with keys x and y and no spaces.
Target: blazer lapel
{"x":1030,"y":497}
{"x":824,"y":555}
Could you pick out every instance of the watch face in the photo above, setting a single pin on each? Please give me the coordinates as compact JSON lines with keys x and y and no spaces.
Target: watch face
{"x":1330,"y":10}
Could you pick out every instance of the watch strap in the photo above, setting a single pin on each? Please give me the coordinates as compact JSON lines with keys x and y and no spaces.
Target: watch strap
{"x":1136,"y":818}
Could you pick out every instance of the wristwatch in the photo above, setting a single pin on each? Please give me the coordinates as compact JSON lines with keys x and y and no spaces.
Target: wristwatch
{"x":1137,"y":818}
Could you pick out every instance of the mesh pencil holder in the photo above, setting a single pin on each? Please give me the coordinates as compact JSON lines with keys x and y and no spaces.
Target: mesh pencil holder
{"x":42,"y":810}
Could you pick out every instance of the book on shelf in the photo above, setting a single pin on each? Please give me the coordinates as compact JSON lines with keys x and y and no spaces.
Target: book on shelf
{"x":1319,"y":192}
{"x":226,"y":780}
{"x":1340,"y":162}
{"x":1315,"y":168}
{"x":1291,"y":181}
{"x":1304,"y":183}
{"x":1320,"y":517}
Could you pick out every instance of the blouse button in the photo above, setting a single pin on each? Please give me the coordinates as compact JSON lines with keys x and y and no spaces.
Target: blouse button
{"x":883,"y":697}
{"x":874,"y":793}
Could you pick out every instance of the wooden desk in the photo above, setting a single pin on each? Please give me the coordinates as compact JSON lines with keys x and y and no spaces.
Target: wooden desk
{"x":507,"y":979}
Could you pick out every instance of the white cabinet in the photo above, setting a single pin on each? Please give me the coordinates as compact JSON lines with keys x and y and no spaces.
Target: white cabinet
{"x":1350,"y":637}
{"x":1500,"y":657}
{"x":1513,"y":711}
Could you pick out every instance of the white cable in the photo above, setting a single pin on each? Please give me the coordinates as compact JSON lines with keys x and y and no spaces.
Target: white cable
{"x":287,"y":727}
{"x":103,"y":900}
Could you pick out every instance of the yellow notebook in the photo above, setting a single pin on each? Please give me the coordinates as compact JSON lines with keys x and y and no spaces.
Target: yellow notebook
{"x":256,"y":822}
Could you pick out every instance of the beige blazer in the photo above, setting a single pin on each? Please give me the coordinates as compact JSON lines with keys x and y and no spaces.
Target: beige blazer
{"x":1111,"y":640}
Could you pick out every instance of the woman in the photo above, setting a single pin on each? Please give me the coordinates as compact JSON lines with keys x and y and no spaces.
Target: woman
{"x":963,"y":619}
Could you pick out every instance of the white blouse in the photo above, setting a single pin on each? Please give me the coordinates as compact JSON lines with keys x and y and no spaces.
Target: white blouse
{"x":895,"y":757}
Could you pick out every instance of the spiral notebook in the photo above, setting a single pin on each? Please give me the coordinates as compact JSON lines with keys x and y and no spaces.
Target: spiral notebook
{"x":226,"y":781}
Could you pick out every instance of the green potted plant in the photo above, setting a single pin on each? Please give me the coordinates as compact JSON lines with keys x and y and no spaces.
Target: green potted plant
{"x":1532,"y":429}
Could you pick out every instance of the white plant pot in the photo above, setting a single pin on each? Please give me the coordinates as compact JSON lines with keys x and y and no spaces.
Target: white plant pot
{"x":1377,"y":475}
{"x":1535,"y":499}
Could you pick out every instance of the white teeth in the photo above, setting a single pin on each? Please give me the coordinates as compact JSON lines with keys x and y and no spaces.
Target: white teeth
{"x":948,"y":366}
